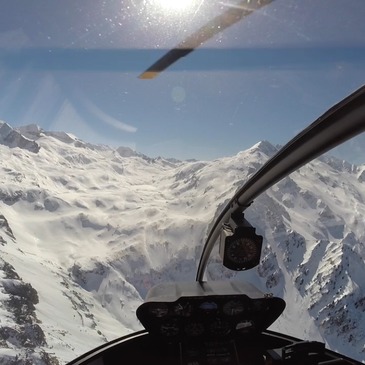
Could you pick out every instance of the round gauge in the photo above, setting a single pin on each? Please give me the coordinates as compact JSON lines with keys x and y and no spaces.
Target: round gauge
{"x":208,"y":307}
{"x":260,"y":305}
{"x":220,"y":327}
{"x":234,"y":307}
{"x":169,"y":328}
{"x":183,"y":309}
{"x":158,"y":309}
{"x":194,"y":329}
{"x":242,"y":251}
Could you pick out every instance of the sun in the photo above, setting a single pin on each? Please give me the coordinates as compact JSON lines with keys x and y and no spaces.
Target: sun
{"x":174,"y":5}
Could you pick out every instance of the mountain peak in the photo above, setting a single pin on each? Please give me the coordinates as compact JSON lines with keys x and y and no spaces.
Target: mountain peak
{"x":265,"y":147}
{"x":12,"y":138}
{"x":30,"y":131}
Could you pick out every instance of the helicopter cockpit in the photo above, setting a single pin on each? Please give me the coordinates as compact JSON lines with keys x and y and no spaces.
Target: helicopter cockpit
{"x":84,"y":69}
{"x":226,"y":322}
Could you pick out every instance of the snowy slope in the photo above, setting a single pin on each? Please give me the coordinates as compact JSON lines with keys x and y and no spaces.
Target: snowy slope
{"x":86,"y":230}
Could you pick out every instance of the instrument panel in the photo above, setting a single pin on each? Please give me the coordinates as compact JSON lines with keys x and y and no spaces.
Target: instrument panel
{"x":209,"y":315}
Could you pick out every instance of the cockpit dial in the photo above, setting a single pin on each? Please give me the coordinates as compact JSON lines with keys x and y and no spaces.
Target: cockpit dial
{"x":242,"y":251}
{"x":158,"y":310}
{"x":234,"y":307}
{"x":183,"y":309}
{"x":208,"y":307}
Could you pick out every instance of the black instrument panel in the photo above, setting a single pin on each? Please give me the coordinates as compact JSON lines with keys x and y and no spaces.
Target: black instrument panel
{"x":209,"y":317}
{"x":210,"y":323}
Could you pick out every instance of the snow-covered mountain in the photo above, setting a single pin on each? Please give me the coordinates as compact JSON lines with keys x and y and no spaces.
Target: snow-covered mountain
{"x":86,"y":230}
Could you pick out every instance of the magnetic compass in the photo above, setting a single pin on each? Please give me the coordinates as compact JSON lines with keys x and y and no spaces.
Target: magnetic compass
{"x":240,"y":249}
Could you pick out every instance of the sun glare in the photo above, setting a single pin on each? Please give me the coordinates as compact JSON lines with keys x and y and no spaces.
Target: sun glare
{"x":174,"y":5}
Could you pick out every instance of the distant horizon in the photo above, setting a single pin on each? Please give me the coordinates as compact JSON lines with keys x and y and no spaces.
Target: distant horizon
{"x":344,"y":151}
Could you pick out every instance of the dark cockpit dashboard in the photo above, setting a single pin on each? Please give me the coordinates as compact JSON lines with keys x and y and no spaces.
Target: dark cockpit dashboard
{"x":266,"y":348}
{"x":210,"y":323}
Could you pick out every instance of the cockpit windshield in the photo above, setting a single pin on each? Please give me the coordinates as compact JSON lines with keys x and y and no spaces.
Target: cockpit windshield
{"x":125,"y":128}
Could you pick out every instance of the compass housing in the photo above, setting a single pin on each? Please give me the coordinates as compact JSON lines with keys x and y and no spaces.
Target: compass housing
{"x":240,"y":248}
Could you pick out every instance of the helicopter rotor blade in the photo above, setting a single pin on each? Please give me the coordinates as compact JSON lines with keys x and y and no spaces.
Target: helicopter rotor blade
{"x":231,"y":16}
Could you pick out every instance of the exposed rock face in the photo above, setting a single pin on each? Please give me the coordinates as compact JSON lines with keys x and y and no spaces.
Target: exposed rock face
{"x":4,"y":227}
{"x":21,"y":330}
{"x":12,"y":138}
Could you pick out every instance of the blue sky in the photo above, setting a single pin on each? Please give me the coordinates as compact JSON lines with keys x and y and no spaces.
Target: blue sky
{"x":74,"y":66}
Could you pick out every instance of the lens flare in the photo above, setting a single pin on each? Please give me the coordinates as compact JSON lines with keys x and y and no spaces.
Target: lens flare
{"x":174,"y":5}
